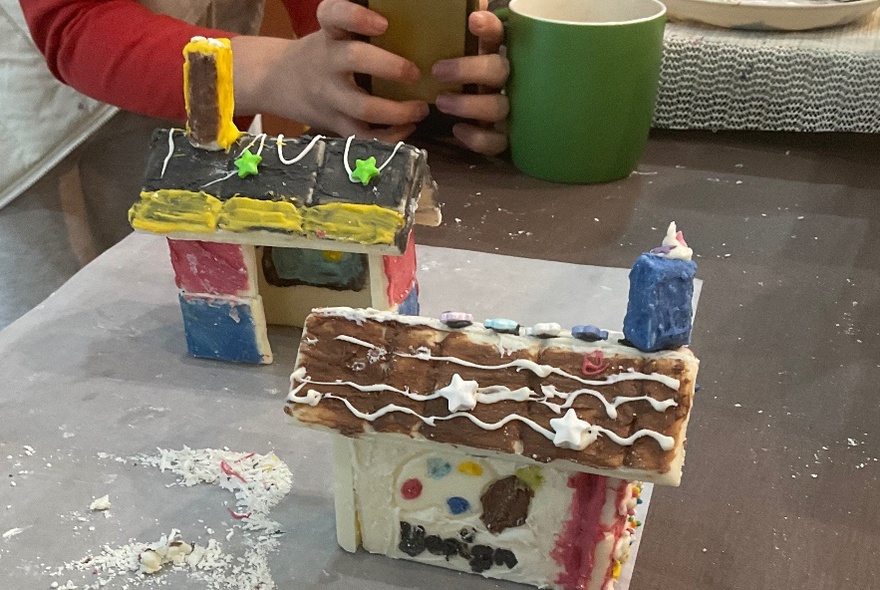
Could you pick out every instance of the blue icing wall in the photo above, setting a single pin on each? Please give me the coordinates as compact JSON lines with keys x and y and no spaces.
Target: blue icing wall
{"x":222,"y":330}
{"x":410,"y":305}
{"x":660,"y":309}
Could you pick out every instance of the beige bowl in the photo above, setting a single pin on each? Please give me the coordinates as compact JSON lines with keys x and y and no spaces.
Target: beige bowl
{"x":771,"y":15}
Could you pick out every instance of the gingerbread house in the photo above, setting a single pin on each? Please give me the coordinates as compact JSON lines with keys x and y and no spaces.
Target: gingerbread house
{"x":501,"y":450}
{"x":263,"y":229}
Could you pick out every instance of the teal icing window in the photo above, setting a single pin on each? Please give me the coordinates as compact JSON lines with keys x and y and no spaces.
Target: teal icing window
{"x":342,"y":271}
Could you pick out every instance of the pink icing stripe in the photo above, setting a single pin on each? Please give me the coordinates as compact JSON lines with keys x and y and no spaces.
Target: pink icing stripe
{"x":400,"y":272}
{"x":575,"y":546}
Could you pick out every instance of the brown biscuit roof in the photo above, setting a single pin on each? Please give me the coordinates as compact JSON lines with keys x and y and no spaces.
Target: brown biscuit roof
{"x":599,"y":407}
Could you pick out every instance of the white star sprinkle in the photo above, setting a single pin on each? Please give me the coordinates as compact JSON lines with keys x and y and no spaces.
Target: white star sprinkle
{"x":461,"y":394}
{"x":572,"y":432}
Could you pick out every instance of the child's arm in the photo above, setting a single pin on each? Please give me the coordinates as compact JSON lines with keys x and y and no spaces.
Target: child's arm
{"x":116,"y":51}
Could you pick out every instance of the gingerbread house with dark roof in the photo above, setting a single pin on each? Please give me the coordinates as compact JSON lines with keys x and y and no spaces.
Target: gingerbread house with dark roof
{"x":263,"y":229}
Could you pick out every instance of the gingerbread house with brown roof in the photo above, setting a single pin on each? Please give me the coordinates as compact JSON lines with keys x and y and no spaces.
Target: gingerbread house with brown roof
{"x":491,"y":448}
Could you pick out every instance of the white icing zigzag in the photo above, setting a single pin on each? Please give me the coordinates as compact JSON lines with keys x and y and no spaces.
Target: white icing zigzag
{"x":568,"y":432}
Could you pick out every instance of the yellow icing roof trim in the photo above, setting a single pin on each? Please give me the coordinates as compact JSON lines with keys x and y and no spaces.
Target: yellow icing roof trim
{"x":168,"y":211}
{"x":173,"y":210}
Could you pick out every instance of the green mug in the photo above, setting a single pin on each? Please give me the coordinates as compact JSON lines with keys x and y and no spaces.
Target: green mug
{"x":582,"y":86}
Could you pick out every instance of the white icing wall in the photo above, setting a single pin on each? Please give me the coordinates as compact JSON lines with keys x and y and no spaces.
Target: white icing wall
{"x":382,"y":464}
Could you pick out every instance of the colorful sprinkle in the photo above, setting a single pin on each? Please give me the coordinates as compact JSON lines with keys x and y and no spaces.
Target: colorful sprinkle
{"x":456,"y":319}
{"x":615,"y":571}
{"x":502,"y":326}
{"x":470,"y":468}
{"x":589,"y":333}
{"x":531,"y":477}
{"x":639,"y":501}
{"x":411,"y":489}
{"x":458,"y":505}
{"x":247,"y":163}
{"x":438,"y":468}
{"x":365,"y":171}
{"x":546,"y":330}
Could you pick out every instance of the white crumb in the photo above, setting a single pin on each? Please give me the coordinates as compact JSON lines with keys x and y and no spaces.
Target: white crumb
{"x":259,"y":482}
{"x":11,"y":533}
{"x":102,"y":503}
{"x":28,"y":450}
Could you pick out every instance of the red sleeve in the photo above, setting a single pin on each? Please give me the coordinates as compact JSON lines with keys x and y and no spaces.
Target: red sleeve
{"x":116,"y":51}
{"x":303,"y":15}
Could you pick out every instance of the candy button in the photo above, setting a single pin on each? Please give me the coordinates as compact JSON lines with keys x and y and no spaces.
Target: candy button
{"x":411,"y":489}
{"x":470,"y":468}
{"x":458,"y":505}
{"x":502,"y":326}
{"x":456,"y":319}
{"x":547,"y":330}
{"x":589,"y":333}
{"x":438,"y":468}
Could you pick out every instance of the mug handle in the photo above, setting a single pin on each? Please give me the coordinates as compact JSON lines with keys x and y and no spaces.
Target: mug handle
{"x":500,"y":9}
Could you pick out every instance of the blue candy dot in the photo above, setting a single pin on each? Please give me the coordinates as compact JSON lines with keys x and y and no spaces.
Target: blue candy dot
{"x":458,"y":505}
{"x":438,"y":468}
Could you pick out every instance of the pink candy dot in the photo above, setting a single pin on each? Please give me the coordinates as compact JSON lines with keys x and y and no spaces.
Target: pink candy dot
{"x":411,"y":489}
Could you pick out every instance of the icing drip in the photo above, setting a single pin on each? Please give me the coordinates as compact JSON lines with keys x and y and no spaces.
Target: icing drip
{"x":381,"y":167}
{"x":280,"y":143}
{"x":170,"y":152}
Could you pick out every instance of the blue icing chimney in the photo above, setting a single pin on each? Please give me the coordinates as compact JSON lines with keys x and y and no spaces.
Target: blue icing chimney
{"x":660,"y":310}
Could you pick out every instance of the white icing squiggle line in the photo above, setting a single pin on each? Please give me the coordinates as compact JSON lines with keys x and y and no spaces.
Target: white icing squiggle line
{"x":170,"y":152}
{"x":500,"y":393}
{"x":666,"y":443}
{"x":227,"y":177}
{"x":484,"y":395}
{"x":610,"y":407}
{"x":424,"y":354}
{"x":302,"y":154}
{"x":546,"y":370}
{"x":348,"y":166}
{"x":261,"y":137}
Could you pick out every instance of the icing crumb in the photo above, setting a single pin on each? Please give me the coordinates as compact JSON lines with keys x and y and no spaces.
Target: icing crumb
{"x":100,"y":504}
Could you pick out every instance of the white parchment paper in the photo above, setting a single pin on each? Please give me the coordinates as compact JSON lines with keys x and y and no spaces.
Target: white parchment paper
{"x":99,"y":374}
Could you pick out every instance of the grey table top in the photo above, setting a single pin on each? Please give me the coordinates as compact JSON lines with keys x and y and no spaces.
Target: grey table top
{"x":783,"y":474}
{"x":98,"y":375}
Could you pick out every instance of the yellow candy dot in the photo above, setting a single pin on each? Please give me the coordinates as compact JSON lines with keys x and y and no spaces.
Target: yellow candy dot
{"x":470,"y":468}
{"x":332,"y":255}
{"x":615,"y":572}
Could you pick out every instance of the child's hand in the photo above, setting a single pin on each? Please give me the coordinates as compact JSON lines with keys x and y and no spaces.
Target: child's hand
{"x":310,"y":80}
{"x":489,"y":70}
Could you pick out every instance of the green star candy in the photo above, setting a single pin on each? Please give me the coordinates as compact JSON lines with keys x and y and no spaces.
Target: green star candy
{"x":247,"y":164}
{"x":365,"y":171}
